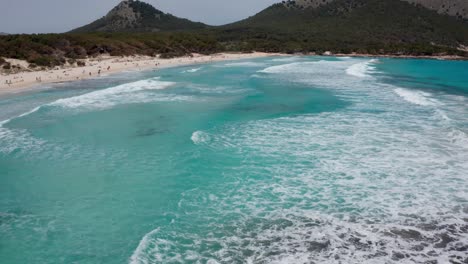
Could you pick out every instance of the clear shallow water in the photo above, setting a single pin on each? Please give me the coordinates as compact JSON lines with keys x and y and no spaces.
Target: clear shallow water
{"x":274,"y":160}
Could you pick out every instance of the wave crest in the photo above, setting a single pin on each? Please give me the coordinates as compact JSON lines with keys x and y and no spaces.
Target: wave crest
{"x":125,"y":93}
{"x":416,"y":97}
{"x":200,"y":137}
{"x":361,"y":69}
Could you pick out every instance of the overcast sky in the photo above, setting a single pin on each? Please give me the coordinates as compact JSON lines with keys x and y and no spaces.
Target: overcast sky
{"x":42,"y":16}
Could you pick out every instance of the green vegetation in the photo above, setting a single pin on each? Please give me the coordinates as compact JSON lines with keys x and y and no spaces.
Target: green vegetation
{"x":344,"y":26}
{"x":54,"y":49}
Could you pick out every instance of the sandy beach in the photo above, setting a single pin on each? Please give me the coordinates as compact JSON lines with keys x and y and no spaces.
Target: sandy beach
{"x":27,"y":79}
{"x":104,"y":65}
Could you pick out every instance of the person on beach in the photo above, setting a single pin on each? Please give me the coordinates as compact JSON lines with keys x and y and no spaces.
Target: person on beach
{"x":99,"y":72}
{"x":90,"y":74}
{"x":108,"y":68}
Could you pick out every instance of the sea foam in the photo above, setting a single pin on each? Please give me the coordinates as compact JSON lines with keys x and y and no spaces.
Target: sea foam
{"x":350,"y":186}
{"x":245,"y":64}
{"x":287,"y":59}
{"x":125,"y":93}
{"x":192,"y":70}
{"x":199,"y":137}
{"x":416,"y":97}
{"x":361,"y":69}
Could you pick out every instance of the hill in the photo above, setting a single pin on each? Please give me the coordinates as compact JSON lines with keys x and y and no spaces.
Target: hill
{"x":136,"y":16}
{"x":457,"y":8}
{"x":365,"y":26}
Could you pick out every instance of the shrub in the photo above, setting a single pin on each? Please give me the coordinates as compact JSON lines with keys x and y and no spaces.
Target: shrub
{"x":71,"y":61}
{"x":171,"y":54}
{"x":48,"y":61}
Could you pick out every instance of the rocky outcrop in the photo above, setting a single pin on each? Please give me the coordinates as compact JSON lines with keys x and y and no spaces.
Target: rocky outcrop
{"x":122,"y":16}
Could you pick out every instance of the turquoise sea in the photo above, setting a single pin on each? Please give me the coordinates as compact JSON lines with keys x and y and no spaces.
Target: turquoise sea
{"x":270,"y":160}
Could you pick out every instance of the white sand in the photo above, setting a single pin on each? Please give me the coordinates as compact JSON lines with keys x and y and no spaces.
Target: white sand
{"x":26,"y":80}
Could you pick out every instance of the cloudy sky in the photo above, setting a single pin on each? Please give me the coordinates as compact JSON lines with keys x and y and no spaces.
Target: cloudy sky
{"x":41,"y":16}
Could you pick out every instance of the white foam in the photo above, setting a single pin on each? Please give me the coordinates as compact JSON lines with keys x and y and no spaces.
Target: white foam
{"x":244,"y":64}
{"x":18,"y":139}
{"x":4,"y":122}
{"x":361,"y":69}
{"x":355,"y":182}
{"x":322,"y":73}
{"x":301,"y":68}
{"x":382,"y":171}
{"x":200,"y":137}
{"x":285,"y":68}
{"x":125,"y":93}
{"x":192,"y":70}
{"x":416,"y":97}
{"x":139,"y":255}
{"x":29,"y":112}
{"x":287,"y":59}
{"x":458,"y":137}
{"x":13,"y":139}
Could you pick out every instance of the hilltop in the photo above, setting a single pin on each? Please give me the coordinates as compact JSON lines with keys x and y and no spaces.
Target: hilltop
{"x":136,"y":16}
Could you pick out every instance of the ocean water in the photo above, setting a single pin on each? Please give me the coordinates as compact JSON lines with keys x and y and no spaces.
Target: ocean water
{"x":271,"y":160}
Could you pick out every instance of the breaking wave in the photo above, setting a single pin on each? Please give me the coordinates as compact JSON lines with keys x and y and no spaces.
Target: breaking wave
{"x":192,"y":70}
{"x":287,"y":59}
{"x":361,"y":69}
{"x":245,"y":64}
{"x":199,"y":137}
{"x":126,"y":93}
{"x":416,"y":97}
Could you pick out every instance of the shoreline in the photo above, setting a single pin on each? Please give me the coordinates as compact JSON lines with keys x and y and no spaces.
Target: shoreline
{"x":25,"y":81}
